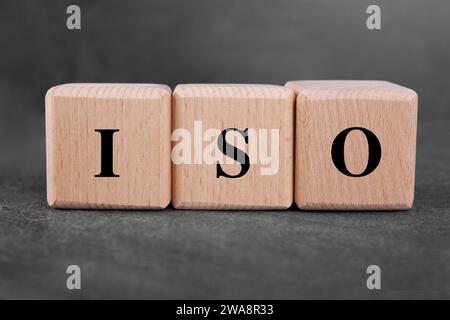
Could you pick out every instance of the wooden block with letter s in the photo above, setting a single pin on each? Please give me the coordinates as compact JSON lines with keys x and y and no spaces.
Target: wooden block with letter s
{"x":108,"y":146}
{"x":232,"y":146}
{"x":355,"y":145}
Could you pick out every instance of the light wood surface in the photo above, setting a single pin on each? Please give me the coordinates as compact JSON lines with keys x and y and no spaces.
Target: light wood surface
{"x":221,"y":106}
{"x":141,"y":148}
{"x":323,"y":110}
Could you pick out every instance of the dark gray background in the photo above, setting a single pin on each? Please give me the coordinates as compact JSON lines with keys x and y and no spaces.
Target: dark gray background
{"x":193,"y":254}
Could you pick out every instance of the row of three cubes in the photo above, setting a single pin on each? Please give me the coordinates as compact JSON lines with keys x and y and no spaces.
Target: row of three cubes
{"x":328,"y":145}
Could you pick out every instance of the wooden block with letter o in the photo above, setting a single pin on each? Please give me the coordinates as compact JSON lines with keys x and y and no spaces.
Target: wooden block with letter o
{"x":355,"y":145}
{"x":108,"y":146}
{"x":232,"y":146}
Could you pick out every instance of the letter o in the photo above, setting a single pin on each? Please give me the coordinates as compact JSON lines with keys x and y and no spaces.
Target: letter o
{"x":337,"y":152}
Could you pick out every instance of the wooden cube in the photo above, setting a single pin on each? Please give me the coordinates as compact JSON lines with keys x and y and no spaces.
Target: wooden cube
{"x":108,"y":146}
{"x":355,"y":145}
{"x":232,"y":146}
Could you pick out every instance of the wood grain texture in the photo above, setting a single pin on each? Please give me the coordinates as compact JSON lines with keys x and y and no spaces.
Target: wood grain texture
{"x":141,"y":149}
{"x":222,"y":106}
{"x":324,"y":109}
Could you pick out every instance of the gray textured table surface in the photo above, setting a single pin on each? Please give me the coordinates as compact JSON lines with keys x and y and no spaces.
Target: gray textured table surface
{"x":199,"y":254}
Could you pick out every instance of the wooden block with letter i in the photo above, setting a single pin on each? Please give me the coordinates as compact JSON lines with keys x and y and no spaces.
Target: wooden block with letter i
{"x":355,"y":145}
{"x":232,"y":146}
{"x":108,"y":146}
